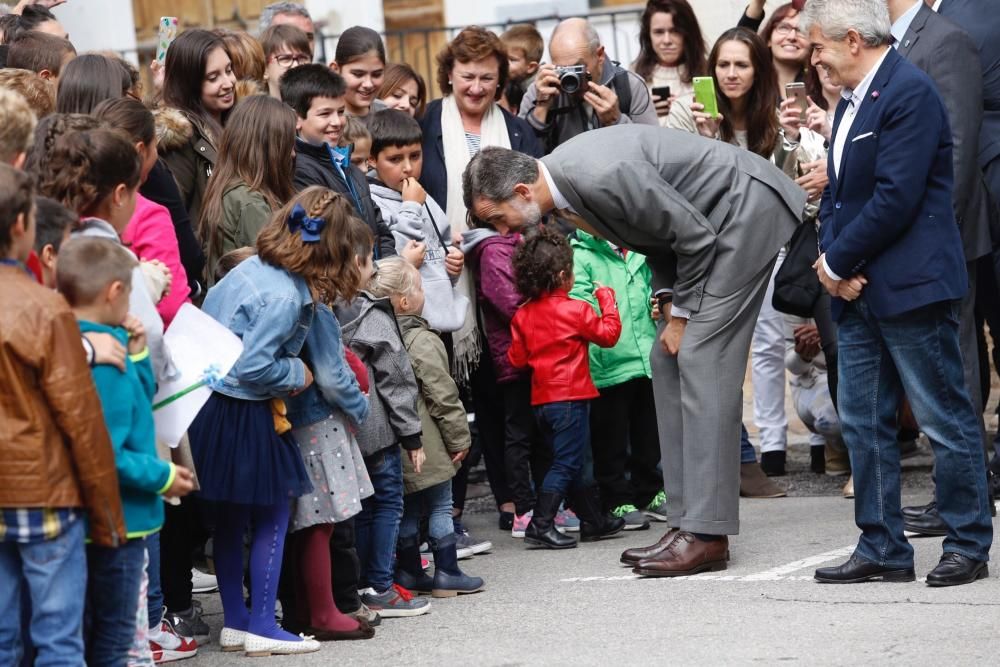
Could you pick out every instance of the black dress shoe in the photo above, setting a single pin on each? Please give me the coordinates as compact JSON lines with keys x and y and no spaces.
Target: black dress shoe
{"x":956,"y":569}
{"x":918,"y":510}
{"x":858,"y":570}
{"x":929,"y":523}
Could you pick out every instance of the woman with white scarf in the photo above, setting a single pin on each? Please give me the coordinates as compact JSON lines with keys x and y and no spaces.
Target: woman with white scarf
{"x":472,"y":73}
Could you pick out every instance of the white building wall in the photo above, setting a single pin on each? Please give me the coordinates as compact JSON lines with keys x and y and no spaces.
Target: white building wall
{"x":95,"y":25}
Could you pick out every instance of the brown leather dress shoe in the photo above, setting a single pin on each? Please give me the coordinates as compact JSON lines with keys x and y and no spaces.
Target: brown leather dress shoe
{"x":633,"y":556}
{"x":686,"y":555}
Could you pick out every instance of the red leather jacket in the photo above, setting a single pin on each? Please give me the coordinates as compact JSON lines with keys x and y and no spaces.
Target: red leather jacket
{"x":552,"y":335}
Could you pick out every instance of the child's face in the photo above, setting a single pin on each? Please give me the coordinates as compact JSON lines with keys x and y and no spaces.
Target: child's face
{"x":218,"y":88}
{"x":366,"y":265}
{"x":49,"y":258}
{"x":406,"y":97}
{"x":360,"y":154}
{"x":117,"y":301}
{"x":395,"y":163}
{"x":324,"y":121}
{"x":363,"y":77}
{"x":520,"y":67}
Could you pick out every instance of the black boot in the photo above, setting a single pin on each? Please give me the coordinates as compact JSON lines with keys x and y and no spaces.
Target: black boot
{"x":409,"y":573}
{"x":541,"y":532}
{"x":595,"y":524}
{"x":449,"y":580}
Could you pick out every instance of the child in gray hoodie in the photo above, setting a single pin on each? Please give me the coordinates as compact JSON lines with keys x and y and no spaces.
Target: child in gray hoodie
{"x":396,"y":160}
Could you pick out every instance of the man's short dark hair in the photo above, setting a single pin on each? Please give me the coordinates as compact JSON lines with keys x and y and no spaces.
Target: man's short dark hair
{"x":393,"y":129}
{"x":33,"y":16}
{"x":301,"y":85}
{"x":52,"y":219}
{"x":38,"y":51}
{"x":494,"y":172}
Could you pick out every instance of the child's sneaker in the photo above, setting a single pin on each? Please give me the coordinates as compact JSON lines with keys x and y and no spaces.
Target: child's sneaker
{"x":363,"y":612}
{"x":203,"y":582}
{"x":657,"y":508}
{"x":466,"y":541}
{"x":567,"y":521}
{"x":397,"y":602}
{"x":521,"y":522}
{"x":634,"y":520}
{"x":189,"y":623}
{"x":427,"y":555}
{"x":168,"y":646}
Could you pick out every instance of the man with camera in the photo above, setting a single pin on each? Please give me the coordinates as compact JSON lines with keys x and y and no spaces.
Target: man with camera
{"x":581,"y":89}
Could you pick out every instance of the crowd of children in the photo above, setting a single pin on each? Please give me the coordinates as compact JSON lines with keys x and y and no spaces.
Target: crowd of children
{"x":284,"y":199}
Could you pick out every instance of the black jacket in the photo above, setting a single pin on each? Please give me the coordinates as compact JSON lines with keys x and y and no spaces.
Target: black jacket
{"x":161,"y":188}
{"x":313,"y":166}
{"x":434,"y":176}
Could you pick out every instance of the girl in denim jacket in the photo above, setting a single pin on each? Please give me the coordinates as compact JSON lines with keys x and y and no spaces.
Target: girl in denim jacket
{"x":247,"y":461}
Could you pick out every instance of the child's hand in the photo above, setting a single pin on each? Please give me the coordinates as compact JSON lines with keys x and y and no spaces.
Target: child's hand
{"x":414,"y":252}
{"x":136,"y":334}
{"x":417,"y":458}
{"x":458,"y":457}
{"x":107,"y":350}
{"x":655,"y":305}
{"x":413,"y":191}
{"x":306,"y":385}
{"x":183,"y":483}
{"x":454,"y":261}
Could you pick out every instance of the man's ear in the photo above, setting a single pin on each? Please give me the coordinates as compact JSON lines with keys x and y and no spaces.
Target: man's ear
{"x":854,"y":41}
{"x":524,"y":190}
{"x":601,"y":54}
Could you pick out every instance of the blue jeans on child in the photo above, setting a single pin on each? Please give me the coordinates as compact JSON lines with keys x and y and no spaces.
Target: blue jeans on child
{"x":55,"y":573}
{"x":566,"y":427}
{"x":377,"y":525}
{"x":113,"y":579}
{"x":154,"y":595}
{"x":434,"y":502}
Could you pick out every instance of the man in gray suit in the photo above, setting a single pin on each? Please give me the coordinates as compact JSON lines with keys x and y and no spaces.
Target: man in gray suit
{"x":710,"y":218}
{"x":947,"y":54}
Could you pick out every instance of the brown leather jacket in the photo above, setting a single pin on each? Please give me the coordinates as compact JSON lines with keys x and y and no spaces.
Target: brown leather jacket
{"x":54,"y":446}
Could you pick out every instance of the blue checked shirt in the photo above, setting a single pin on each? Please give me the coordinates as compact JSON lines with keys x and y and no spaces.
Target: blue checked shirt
{"x":26,"y":525}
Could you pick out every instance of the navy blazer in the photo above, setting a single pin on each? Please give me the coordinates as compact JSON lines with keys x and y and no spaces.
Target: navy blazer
{"x":889,"y":215}
{"x":434,"y":176}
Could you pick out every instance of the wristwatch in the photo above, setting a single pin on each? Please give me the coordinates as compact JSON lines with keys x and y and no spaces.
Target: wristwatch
{"x":662,"y":300}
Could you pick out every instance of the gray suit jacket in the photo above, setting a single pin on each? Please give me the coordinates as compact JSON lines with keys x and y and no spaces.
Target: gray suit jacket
{"x":948,"y":55}
{"x":709,"y":216}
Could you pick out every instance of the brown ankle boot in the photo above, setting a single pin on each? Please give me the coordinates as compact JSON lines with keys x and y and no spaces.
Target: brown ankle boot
{"x":755,"y":484}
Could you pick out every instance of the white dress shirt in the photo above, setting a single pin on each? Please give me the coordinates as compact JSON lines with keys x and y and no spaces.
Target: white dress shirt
{"x":854,"y":99}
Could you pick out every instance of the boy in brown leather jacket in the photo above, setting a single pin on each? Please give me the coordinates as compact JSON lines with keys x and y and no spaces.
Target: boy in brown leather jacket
{"x":58,"y":465}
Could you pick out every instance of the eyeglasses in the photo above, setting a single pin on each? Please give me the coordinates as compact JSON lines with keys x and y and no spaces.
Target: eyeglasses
{"x":289,"y":60}
{"x":783,"y":29}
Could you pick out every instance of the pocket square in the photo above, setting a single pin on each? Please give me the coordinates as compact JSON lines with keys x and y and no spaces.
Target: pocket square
{"x":863,"y":136}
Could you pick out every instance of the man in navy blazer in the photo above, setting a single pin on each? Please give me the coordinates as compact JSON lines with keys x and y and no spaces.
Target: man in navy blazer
{"x":892,"y":258}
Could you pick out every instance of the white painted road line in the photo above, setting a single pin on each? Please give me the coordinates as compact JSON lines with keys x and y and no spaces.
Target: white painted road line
{"x":794,"y":566}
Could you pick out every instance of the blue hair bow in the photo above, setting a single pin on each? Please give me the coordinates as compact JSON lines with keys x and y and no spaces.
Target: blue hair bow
{"x":309,"y":228}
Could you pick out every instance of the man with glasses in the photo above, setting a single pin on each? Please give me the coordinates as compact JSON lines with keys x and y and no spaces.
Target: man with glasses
{"x":289,"y":13}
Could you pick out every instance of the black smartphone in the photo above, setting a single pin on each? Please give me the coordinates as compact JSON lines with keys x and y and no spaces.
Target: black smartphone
{"x":663,"y":92}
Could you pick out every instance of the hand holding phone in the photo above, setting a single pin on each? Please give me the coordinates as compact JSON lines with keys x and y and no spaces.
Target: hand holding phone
{"x":704,"y":94}
{"x":661,"y":99}
{"x":796,"y":91}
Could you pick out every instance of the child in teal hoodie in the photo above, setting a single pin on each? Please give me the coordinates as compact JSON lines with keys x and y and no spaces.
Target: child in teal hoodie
{"x":95,"y":277}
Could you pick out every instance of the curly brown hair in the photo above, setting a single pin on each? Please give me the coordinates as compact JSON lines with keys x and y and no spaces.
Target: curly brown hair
{"x":328,"y":267}
{"x":471,"y":45}
{"x":542,"y":262}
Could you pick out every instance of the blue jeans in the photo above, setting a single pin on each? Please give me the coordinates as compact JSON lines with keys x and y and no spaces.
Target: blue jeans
{"x":55,"y":574}
{"x":434,"y":502}
{"x":154,"y":595}
{"x":566,"y":428}
{"x":113,"y":580}
{"x":377,"y":525}
{"x":916,"y":354}
{"x":747,"y":453}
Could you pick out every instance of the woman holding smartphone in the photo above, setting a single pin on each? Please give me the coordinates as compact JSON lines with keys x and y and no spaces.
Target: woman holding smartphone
{"x":671,"y":52}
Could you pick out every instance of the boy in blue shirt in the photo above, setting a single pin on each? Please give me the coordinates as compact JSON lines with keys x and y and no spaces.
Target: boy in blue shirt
{"x":95,"y":277}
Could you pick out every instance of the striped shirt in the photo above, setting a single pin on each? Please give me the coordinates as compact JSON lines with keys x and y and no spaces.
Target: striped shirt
{"x":26,"y":525}
{"x":474,"y":142}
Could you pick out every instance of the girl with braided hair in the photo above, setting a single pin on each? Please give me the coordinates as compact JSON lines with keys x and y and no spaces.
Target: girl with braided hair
{"x":247,"y":461}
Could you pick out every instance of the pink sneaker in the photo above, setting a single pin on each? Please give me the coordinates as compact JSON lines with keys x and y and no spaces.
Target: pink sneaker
{"x":521,"y":522}
{"x":567,"y":521}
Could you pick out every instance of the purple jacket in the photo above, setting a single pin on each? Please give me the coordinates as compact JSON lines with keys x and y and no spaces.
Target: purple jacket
{"x":490,"y":257}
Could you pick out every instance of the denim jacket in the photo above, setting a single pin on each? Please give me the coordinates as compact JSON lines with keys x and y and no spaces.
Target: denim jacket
{"x":335,"y":386}
{"x":271,"y":310}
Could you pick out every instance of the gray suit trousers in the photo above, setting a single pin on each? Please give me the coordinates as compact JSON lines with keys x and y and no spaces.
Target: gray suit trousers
{"x":699,"y":407}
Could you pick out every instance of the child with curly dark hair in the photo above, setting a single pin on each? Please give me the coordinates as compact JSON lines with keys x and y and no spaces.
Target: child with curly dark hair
{"x":551,"y":334}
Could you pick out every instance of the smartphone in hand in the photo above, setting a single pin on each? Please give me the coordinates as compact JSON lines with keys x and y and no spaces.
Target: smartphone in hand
{"x":165,"y":36}
{"x":796,"y":90}
{"x":704,"y":94}
{"x":663,"y":92}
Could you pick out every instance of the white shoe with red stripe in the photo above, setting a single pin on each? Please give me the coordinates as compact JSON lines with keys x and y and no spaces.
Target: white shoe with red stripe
{"x":168,"y":646}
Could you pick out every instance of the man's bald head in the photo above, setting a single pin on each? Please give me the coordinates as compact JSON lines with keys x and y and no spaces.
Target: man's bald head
{"x":574,"y":42}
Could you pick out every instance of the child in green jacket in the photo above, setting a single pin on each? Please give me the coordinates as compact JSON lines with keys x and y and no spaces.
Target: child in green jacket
{"x":623,"y":419}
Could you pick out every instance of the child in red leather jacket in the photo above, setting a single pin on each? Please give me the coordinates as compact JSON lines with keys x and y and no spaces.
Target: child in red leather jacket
{"x":551,"y":333}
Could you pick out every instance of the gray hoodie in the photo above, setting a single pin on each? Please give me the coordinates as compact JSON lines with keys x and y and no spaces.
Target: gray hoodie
{"x":445,"y":307}
{"x":369,"y":329}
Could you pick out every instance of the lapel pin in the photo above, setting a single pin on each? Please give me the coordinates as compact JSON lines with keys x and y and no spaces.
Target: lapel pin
{"x":874,"y":94}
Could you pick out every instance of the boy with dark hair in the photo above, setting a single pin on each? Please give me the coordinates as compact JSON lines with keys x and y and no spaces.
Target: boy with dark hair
{"x":41,"y":53}
{"x":53,"y":223}
{"x":58,"y":460}
{"x":316,"y":93}
{"x":95,"y":276}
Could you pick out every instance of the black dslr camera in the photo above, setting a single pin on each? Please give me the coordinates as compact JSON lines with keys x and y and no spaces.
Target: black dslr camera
{"x":573,"y":80}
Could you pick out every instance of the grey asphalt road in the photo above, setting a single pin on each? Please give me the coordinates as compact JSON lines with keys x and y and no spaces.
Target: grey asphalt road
{"x":581,"y":607}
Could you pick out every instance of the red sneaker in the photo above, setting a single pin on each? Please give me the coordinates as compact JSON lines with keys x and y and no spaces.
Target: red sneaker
{"x":168,"y":646}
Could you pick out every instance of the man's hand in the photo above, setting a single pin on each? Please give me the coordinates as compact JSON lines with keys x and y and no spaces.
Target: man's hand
{"x":850,"y":289}
{"x":107,"y":350}
{"x":136,"y":334}
{"x":182,"y":485}
{"x":672,"y":335}
{"x":832,"y":286}
{"x":807,"y":341}
{"x":707,"y":126}
{"x":413,"y":252}
{"x":814,"y":180}
{"x":454,"y":261}
{"x":417,"y":458}
{"x":546,"y":86}
{"x":605,"y":103}
{"x":413,"y":191}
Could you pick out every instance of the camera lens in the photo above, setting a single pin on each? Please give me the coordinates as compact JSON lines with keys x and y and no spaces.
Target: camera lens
{"x":570,"y":83}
